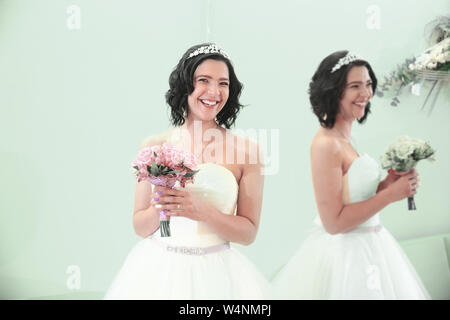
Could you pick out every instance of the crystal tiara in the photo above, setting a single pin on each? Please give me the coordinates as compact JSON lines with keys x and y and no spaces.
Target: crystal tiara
{"x":348,"y":58}
{"x":212,"y":48}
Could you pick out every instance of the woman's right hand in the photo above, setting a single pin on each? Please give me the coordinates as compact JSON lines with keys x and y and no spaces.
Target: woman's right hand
{"x":405,"y":186}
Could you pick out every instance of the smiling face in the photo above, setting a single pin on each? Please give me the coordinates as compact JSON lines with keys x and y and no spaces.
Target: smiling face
{"x":211,"y":90}
{"x":357,"y":93}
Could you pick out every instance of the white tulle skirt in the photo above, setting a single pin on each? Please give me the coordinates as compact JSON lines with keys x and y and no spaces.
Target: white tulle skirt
{"x":151,"y":272}
{"x":355,"y":265}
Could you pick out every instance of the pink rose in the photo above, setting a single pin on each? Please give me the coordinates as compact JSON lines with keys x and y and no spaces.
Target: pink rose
{"x":190,"y":161}
{"x":145,"y":156}
{"x":159,"y":159}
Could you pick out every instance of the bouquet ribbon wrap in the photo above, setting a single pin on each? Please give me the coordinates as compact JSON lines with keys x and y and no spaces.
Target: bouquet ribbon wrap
{"x":164,"y":219}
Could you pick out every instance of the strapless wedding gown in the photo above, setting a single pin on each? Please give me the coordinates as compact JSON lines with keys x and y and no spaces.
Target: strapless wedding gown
{"x":366,"y":263}
{"x":194,"y":263}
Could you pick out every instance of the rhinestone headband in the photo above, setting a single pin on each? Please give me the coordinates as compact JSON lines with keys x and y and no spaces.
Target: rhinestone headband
{"x":212,"y":48}
{"x":349,"y":57}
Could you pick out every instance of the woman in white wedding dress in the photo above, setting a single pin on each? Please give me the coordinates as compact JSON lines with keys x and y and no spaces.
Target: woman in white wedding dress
{"x":222,"y":205}
{"x":348,"y":254}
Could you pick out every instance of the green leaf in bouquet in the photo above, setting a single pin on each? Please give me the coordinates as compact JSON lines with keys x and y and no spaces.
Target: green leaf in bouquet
{"x":155,"y":170}
{"x":426,"y":155}
{"x":154,"y":153}
{"x":444,"y":67}
{"x":190,"y":174}
{"x":165,"y":170}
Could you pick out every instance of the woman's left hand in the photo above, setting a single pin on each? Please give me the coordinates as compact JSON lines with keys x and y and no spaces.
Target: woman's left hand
{"x":182,"y":203}
{"x":395,"y":175}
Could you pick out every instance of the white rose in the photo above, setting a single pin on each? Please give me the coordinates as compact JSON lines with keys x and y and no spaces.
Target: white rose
{"x":401,"y":140}
{"x":431,"y":65}
{"x":403,"y":151}
{"x":440,"y":58}
{"x":435,"y":52}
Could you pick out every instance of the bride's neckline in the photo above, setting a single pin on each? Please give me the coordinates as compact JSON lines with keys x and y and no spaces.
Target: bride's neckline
{"x":174,"y":137}
{"x":353,"y":162}
{"x":223,"y":167}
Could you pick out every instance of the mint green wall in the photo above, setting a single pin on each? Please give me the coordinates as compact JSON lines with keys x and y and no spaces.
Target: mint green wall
{"x":75,"y":104}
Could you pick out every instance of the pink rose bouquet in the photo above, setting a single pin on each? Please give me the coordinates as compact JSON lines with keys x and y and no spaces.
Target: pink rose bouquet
{"x":164,"y":166}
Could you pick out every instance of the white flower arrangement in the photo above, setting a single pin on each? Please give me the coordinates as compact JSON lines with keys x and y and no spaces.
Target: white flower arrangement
{"x":403,"y":154}
{"x":432,"y":65}
{"x":437,"y":55}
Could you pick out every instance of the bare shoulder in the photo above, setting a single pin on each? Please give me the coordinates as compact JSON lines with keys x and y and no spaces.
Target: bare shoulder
{"x":155,"y":139}
{"x":245,"y":156}
{"x":243,"y":140}
{"x":325,"y":144}
{"x":247,"y":146}
{"x":325,"y":152}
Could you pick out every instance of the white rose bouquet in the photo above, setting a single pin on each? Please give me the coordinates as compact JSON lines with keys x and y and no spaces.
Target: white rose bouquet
{"x":403,"y":155}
